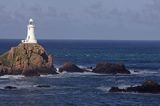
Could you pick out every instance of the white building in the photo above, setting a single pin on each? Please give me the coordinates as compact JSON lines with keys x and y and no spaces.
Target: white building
{"x":30,"y":33}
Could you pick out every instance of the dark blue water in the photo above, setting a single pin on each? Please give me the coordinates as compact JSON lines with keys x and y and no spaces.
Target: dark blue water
{"x":86,"y":89}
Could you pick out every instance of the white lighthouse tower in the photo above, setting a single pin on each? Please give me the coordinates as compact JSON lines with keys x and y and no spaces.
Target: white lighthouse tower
{"x":30,"y":33}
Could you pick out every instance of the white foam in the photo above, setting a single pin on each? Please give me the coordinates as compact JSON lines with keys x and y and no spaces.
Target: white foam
{"x":12,"y":76}
{"x":49,"y":75}
{"x":122,"y":86}
{"x":103,"y":88}
{"x":76,"y":73}
{"x":81,"y":66}
{"x":142,"y":72}
{"x":67,"y":74}
{"x":106,"y":88}
{"x":90,"y":70}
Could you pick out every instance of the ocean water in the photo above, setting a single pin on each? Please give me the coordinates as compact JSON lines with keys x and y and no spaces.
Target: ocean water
{"x":142,"y":58}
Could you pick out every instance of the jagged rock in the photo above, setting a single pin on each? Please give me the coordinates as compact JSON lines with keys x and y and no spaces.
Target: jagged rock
{"x":26,"y":59}
{"x":110,"y":68}
{"x":148,"y":86}
{"x":70,"y":67}
{"x":0,"y":63}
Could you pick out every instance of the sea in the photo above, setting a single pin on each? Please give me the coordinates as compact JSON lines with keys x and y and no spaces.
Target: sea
{"x":142,"y":59}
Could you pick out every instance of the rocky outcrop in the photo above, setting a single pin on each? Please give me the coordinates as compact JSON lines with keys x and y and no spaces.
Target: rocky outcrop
{"x":110,"y":68}
{"x":26,"y":59}
{"x":70,"y":67}
{"x":148,"y":86}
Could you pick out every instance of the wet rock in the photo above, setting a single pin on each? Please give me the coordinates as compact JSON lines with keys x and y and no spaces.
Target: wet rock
{"x":70,"y":67}
{"x":116,"y":89}
{"x":148,"y":86}
{"x":10,"y":87}
{"x":110,"y":68}
{"x":43,"y":86}
{"x":90,"y":67}
{"x":28,"y":60}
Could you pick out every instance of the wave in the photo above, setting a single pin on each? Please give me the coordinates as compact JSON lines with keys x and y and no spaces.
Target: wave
{"x":103,"y":88}
{"x":122,"y":86}
{"x":49,"y":75}
{"x":107,"y":88}
{"x":133,"y":71}
{"x":12,"y":76}
{"x":67,"y":74}
{"x":74,"y":74}
{"x":143,"y":72}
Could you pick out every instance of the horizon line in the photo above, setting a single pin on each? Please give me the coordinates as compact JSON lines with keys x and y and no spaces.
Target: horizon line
{"x":90,"y":39}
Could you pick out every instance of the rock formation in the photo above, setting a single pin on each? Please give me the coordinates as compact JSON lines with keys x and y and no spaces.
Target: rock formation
{"x":27,"y":59}
{"x":148,"y":86}
{"x":70,"y":67}
{"x":110,"y":68}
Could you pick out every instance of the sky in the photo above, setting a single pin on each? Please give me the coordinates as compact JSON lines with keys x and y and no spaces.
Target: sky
{"x":81,"y":19}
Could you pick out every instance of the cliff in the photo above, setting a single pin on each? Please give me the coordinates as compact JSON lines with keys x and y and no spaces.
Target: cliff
{"x":26,"y":59}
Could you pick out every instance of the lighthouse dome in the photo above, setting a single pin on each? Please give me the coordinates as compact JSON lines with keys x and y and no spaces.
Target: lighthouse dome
{"x":30,"y":20}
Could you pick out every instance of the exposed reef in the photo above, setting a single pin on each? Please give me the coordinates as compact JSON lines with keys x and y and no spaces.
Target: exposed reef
{"x":26,"y":59}
{"x":148,"y":86}
{"x":101,"y":68}
{"x":110,"y":68}
{"x":70,"y":67}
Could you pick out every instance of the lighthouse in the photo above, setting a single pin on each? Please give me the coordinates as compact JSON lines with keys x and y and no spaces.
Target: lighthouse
{"x":30,"y":33}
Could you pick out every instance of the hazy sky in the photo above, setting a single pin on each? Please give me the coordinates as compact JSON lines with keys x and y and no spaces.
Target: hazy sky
{"x":82,"y":19}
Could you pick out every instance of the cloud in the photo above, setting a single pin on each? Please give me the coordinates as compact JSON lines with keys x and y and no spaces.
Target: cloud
{"x":116,"y":17}
{"x":149,"y":15}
